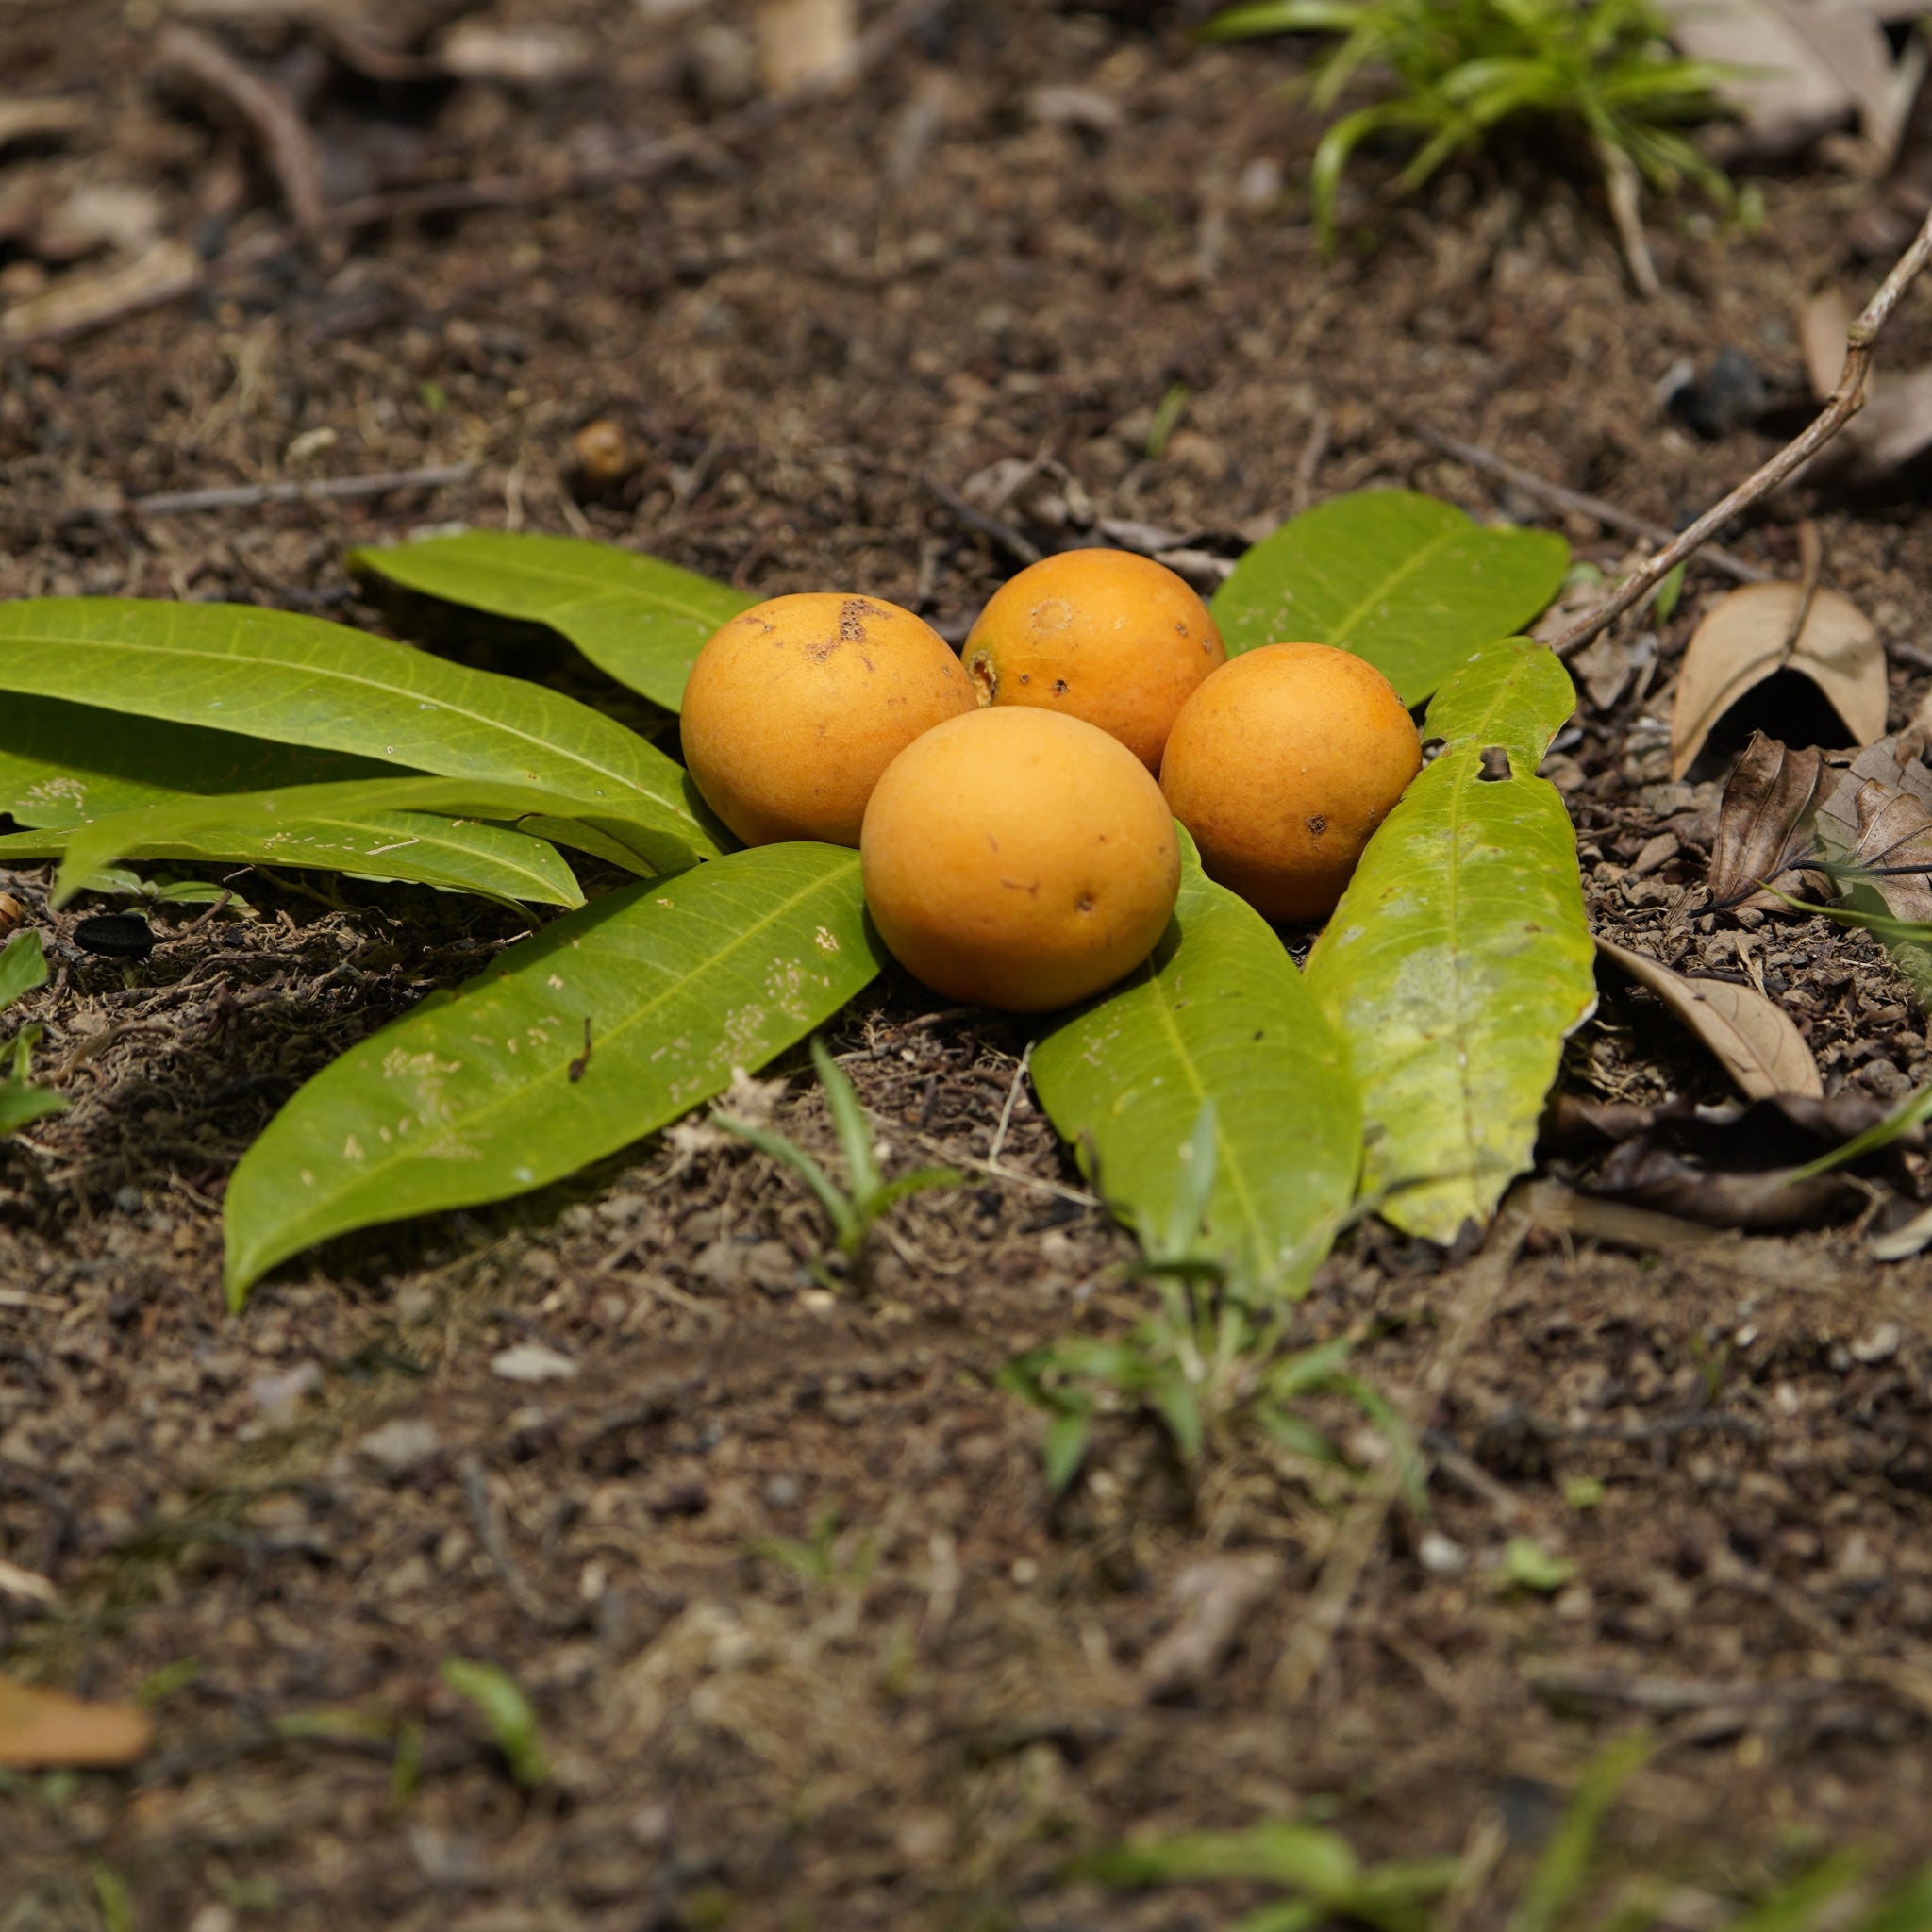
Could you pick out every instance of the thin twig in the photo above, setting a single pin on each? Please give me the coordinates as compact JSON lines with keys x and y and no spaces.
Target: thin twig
{"x":516,"y":1586}
{"x":271,"y":116}
{"x":999,"y":1138}
{"x":1313,"y":1636}
{"x":1624,"y":188}
{"x":170,"y":502}
{"x":1846,"y":400}
{"x":1574,"y":502}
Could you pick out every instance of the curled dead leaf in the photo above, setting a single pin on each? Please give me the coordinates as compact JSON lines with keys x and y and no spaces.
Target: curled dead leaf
{"x":1760,"y":629}
{"x":1874,"y":819}
{"x":48,"y":1731}
{"x":1753,"y":1040}
{"x":1764,"y":826}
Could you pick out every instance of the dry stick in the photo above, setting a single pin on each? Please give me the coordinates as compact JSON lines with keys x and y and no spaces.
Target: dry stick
{"x":526,"y":190}
{"x":272,"y":117}
{"x":1576,"y":502}
{"x":1846,"y":400}
{"x":1314,"y":1634}
{"x":170,"y":503}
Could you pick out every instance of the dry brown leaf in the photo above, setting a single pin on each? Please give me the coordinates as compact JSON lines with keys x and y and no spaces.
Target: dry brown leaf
{"x":1754,"y":1043}
{"x":802,"y":40}
{"x":1877,"y":816}
{"x":1764,"y":825}
{"x":48,"y":1731}
{"x":1759,"y":629}
{"x":1824,"y":318}
{"x":1808,"y":67}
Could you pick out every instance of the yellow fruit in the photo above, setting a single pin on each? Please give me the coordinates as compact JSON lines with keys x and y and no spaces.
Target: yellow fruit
{"x":1021,"y":859}
{"x":795,"y":706}
{"x":1102,"y":635}
{"x":1282,"y":765}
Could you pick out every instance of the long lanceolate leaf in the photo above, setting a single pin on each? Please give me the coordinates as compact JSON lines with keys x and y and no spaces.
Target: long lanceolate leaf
{"x":1411,"y":584}
{"x":492,"y":1092}
{"x":267,"y":673}
{"x":638,"y":618}
{"x":1220,"y":1014}
{"x":61,"y":765}
{"x":1459,"y":956}
{"x":411,"y":848}
{"x":269,"y":815}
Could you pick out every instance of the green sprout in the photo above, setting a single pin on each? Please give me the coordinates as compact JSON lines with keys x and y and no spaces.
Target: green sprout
{"x":856,"y":1214}
{"x":1213,"y":1359}
{"x":507,"y":1712}
{"x":1455,"y":73}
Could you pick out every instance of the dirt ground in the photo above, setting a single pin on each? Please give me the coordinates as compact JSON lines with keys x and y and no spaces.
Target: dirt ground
{"x":811,"y":1641}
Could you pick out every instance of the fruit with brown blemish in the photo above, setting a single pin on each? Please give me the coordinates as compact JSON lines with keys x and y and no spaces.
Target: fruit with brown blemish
{"x":1102,"y":634}
{"x":1282,"y":765}
{"x":1019,"y":858}
{"x":795,"y":706}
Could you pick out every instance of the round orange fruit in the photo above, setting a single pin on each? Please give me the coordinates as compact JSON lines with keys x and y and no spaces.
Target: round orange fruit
{"x":795,"y":706}
{"x":1282,"y":765}
{"x":1102,"y":635}
{"x":1020,"y":859}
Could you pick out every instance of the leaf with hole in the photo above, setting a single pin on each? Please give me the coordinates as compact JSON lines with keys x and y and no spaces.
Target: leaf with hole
{"x":471,"y":1099}
{"x":1218,"y":1013}
{"x":1753,"y":1040}
{"x":1460,"y":957}
{"x":637,"y":618}
{"x":298,"y":680}
{"x":1760,"y":629}
{"x":1411,"y":584}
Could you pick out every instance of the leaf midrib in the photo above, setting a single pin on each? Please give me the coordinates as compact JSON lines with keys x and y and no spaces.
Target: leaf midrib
{"x":1229,"y":1157}
{"x":347,"y":678}
{"x":604,"y":1038}
{"x":1339,"y":632}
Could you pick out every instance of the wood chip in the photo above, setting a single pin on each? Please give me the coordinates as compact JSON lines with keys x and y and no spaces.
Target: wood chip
{"x":1754,"y":1041}
{"x":167,"y":271}
{"x":46,"y":118}
{"x":48,"y":1731}
{"x":800,"y":40}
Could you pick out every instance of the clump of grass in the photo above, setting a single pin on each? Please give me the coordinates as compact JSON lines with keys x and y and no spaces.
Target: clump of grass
{"x":1453,"y":74}
{"x":857,"y":1209}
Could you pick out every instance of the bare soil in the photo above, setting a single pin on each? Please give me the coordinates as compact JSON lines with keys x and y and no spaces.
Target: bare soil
{"x":282,"y":1524}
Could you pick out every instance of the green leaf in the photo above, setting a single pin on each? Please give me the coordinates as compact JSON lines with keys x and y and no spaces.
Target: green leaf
{"x":410,"y":847}
{"x":1218,"y":1013}
{"x":22,"y":966}
{"x":471,"y":1100}
{"x":1459,"y":956}
{"x":21,"y":1106}
{"x":61,"y":765}
{"x":507,"y":1711}
{"x":657,"y":838}
{"x":266,"y":674}
{"x":1565,"y":1862}
{"x":640,"y":619}
{"x":1408,"y":583}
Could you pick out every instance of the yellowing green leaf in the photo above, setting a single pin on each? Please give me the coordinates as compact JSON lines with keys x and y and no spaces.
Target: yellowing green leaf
{"x":638,"y":618}
{"x":472,"y":1098}
{"x":1411,"y":584}
{"x":1218,"y":1013}
{"x":1459,"y":956}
